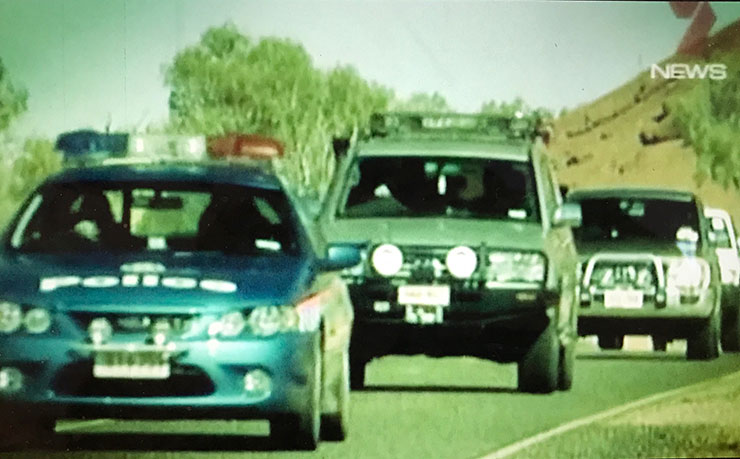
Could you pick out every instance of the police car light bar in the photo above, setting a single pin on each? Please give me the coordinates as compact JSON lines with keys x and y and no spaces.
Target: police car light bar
{"x":405,"y":123}
{"x":159,"y":147}
{"x":245,"y":147}
{"x":85,"y":145}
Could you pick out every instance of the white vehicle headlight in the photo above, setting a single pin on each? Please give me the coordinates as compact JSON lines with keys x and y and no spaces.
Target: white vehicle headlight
{"x":387,"y":260}
{"x":461,"y":262}
{"x":688,"y":273}
{"x":11,"y":317}
{"x":516,"y":267}
{"x":37,"y":320}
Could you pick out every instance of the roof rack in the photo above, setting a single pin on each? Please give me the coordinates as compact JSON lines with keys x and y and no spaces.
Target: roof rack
{"x":451,"y":125}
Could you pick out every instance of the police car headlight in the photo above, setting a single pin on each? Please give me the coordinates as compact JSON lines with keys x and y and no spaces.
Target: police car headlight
{"x":688,"y":273}
{"x":37,"y":320}
{"x":232,"y":324}
{"x":387,"y":260}
{"x":461,"y":262}
{"x":11,"y":317}
{"x":269,"y":320}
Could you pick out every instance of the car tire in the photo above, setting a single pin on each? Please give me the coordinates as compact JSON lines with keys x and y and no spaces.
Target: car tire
{"x":357,"y":367}
{"x":539,"y":370}
{"x":704,"y":345}
{"x":301,"y":431}
{"x":611,"y":342}
{"x":335,"y":426}
{"x":567,"y":367}
{"x":660,"y":344}
{"x":731,"y":330}
{"x":26,"y":431}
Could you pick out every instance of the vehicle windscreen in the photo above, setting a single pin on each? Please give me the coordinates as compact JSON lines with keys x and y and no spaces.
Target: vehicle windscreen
{"x":635,"y":219}
{"x":125,"y":217}
{"x":438,"y":186}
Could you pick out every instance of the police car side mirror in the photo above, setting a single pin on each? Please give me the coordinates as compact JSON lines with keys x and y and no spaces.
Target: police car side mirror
{"x":341,"y":256}
{"x":568,"y":214}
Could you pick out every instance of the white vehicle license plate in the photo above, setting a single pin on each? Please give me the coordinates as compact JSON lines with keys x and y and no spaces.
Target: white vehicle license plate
{"x":424,"y":295}
{"x":628,"y":299}
{"x":131,"y":365}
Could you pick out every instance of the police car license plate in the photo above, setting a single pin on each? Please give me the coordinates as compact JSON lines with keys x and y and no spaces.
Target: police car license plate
{"x":424,"y":295}
{"x":131,"y":365}
{"x":629,"y":299}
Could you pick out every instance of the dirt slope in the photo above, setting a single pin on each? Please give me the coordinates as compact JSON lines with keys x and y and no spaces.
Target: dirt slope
{"x":600,"y":143}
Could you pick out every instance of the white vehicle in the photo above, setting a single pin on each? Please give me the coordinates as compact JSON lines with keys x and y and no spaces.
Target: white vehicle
{"x":722,"y":235}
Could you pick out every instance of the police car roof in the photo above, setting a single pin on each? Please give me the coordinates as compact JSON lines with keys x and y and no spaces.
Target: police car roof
{"x":506,"y":149}
{"x":631,"y":192}
{"x":224,"y":174}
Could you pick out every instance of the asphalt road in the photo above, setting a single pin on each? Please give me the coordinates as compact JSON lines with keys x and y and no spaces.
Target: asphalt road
{"x":414,"y":407}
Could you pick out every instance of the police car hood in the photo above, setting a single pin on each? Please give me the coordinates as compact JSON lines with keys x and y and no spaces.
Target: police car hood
{"x":202,"y":282}
{"x":507,"y":234}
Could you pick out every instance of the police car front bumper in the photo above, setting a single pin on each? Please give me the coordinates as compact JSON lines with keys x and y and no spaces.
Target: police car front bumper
{"x":207,"y":379}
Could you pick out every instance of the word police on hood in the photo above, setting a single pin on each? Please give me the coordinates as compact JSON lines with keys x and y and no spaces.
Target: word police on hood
{"x":50,"y":284}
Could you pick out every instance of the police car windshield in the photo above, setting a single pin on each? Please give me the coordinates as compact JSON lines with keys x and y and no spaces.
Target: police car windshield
{"x":455,"y":187}
{"x":623,"y":219}
{"x":126,"y":217}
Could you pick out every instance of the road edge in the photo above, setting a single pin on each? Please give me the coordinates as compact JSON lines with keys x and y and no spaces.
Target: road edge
{"x":520,"y":445}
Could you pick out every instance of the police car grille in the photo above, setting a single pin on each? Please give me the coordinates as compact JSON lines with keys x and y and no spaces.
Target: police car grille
{"x":122,"y":324}
{"x":77,"y":380}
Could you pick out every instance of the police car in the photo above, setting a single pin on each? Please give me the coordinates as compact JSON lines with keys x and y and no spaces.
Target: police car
{"x":141,"y":288}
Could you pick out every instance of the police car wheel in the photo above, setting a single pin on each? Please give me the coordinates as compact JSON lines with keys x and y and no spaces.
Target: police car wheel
{"x":611,"y":342}
{"x":357,"y":373}
{"x":539,"y":370}
{"x":25,"y":431}
{"x":301,"y":431}
{"x":704,"y":344}
{"x":567,"y":367}
{"x":660,"y":344}
{"x":731,"y":331}
{"x":334,"y":426}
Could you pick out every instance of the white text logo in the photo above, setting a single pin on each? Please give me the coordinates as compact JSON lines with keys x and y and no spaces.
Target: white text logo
{"x":685,"y":71}
{"x":49,"y":284}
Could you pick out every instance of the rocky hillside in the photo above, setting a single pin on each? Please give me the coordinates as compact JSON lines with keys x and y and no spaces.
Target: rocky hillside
{"x":628,"y":136}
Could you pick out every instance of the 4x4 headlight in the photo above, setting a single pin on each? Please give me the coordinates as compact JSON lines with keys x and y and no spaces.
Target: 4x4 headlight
{"x":387,"y":260}
{"x":461,"y":262}
{"x":688,"y":273}
{"x":516,"y":267}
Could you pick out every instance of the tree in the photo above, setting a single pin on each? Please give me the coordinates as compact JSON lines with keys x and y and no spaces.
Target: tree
{"x":12,"y":99}
{"x":510,"y":109}
{"x":228,"y":83}
{"x":708,"y":117}
{"x":422,"y":102}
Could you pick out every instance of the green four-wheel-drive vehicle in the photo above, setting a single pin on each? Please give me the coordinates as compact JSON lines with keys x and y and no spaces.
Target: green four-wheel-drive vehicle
{"x":469,"y":246}
{"x":647,"y":269}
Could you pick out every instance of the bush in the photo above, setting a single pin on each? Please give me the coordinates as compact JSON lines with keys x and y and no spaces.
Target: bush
{"x":228,"y":83}
{"x":708,"y":118}
{"x":22,"y":172}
